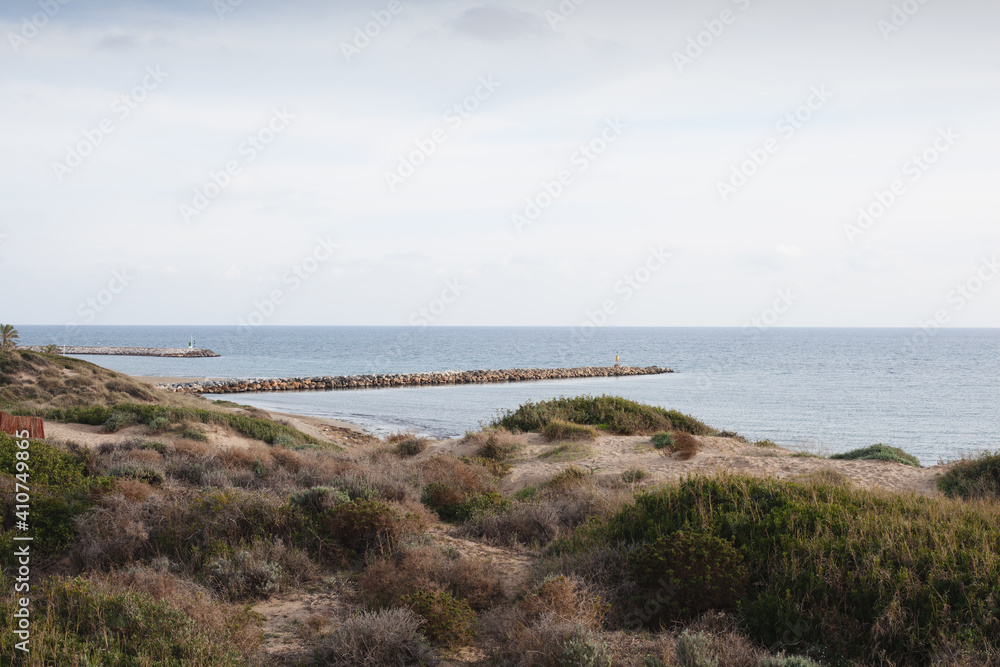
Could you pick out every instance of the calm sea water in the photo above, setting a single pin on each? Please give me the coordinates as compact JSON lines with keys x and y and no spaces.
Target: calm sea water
{"x":826,"y":390}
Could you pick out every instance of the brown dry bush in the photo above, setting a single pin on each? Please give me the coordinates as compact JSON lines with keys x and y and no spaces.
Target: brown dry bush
{"x":387,"y":638}
{"x":495,"y":444}
{"x":686,"y":445}
{"x":516,"y":641}
{"x":555,"y":511}
{"x":241,"y":625}
{"x":449,"y":470}
{"x":480,"y":583}
{"x":566,"y":598}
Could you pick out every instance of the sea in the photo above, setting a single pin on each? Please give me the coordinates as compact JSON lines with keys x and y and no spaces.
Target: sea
{"x":823,"y":391}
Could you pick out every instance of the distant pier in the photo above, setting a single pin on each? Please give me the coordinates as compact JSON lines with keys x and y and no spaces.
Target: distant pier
{"x":127,"y":351}
{"x":328,"y":382}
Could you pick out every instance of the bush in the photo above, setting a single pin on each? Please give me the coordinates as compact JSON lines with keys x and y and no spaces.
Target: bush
{"x":634,"y":475}
{"x":879,"y":452}
{"x":454,"y":504}
{"x":766,"y":444}
{"x":412,"y":446}
{"x":193,"y":433}
{"x":497,"y":444}
{"x":449,"y":621}
{"x":531,"y":524}
{"x":142,"y":473}
{"x":663,"y":440}
{"x":318,"y":498}
{"x":581,"y":649}
{"x":158,"y":424}
{"x":857,"y":572}
{"x":617,"y":415}
{"x":694,"y":649}
{"x":686,"y":445}
{"x":973,"y":477}
{"x":79,"y":621}
{"x":379,"y":639}
{"x":683,"y":575}
{"x":563,"y":430}
{"x":385,"y":582}
{"x":116,"y":421}
{"x":258,"y":571}
{"x":364,"y":524}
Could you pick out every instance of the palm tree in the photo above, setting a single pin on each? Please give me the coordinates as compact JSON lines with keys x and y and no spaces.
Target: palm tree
{"x":8,"y":337}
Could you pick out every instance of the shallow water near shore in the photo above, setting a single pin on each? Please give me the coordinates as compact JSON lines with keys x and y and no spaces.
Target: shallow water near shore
{"x":821,"y":389}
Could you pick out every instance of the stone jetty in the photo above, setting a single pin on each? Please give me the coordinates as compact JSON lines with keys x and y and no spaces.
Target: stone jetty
{"x":127,"y":351}
{"x":327,"y":382}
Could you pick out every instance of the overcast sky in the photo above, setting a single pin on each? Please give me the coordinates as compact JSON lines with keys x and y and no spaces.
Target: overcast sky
{"x":120,"y":119}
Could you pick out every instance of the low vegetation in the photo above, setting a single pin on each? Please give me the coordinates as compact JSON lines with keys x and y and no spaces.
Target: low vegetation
{"x":879,"y":452}
{"x":973,"y":477}
{"x":609,"y":413}
{"x":850,"y":573}
{"x":152,"y":545}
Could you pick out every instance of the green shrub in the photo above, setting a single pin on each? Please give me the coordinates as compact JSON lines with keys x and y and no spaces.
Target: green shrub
{"x":449,"y":620}
{"x":79,"y":622}
{"x":255,"y":428}
{"x":49,"y":465}
{"x":363,"y":524}
{"x":581,"y":649}
{"x":558,"y":429}
{"x":142,"y":473}
{"x":694,"y":649}
{"x":116,"y":421}
{"x":158,"y":424}
{"x":683,"y":575}
{"x":411,"y":446}
{"x":766,"y":444}
{"x":616,"y":415}
{"x":193,"y":433}
{"x":836,"y":562}
{"x":634,"y":475}
{"x":879,"y":452}
{"x":455,"y":504}
{"x":663,"y":440}
{"x":973,"y":477}
{"x":318,"y":499}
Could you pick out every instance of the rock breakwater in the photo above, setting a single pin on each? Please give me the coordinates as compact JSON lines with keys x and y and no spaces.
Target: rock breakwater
{"x":329,"y":383}
{"x":126,"y":351}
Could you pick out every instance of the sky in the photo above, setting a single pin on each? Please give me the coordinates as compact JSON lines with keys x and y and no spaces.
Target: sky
{"x":627,"y":163}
